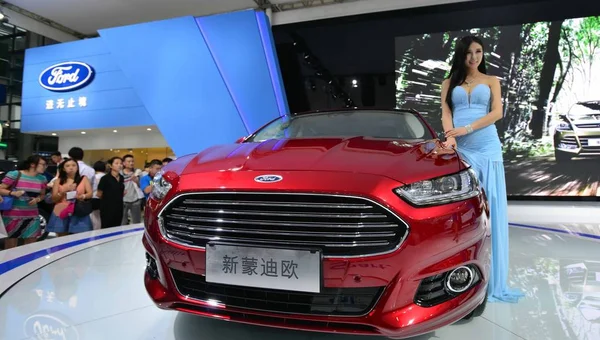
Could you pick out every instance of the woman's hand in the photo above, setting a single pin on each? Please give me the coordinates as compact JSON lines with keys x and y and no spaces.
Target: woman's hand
{"x":456,"y":132}
{"x":450,"y":143}
{"x":81,"y":197}
{"x":18,"y":194}
{"x":34,"y":201}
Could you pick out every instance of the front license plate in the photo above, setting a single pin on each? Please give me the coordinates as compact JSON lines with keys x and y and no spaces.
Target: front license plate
{"x":594,"y":142}
{"x":284,"y":269}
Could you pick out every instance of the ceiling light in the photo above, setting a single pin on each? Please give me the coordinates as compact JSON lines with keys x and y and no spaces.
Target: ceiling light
{"x":53,"y":133}
{"x":115,"y":131}
{"x":83,"y":132}
{"x":149,"y":129}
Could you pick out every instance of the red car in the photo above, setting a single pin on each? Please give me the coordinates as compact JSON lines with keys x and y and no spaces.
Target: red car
{"x":353,"y":221}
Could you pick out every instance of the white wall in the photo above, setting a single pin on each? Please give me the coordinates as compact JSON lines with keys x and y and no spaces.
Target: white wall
{"x":352,"y":8}
{"x":113,"y":141}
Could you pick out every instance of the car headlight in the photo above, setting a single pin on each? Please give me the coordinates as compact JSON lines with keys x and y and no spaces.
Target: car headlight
{"x":442,"y":190}
{"x":160,"y":186}
{"x":564,"y":126}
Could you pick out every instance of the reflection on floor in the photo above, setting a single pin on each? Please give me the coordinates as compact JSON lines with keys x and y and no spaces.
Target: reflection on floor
{"x":98,"y":293}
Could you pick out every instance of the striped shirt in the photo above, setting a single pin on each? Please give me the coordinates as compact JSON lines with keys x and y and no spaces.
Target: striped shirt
{"x":32,"y":186}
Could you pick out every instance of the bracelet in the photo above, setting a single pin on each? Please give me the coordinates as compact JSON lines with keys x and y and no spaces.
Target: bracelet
{"x":469,"y":128}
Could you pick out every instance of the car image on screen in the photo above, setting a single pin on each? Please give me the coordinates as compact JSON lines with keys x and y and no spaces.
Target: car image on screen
{"x":351,"y":221}
{"x":578,"y":132}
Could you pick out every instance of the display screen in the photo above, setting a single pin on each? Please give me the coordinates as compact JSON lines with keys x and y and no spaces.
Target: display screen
{"x":550,"y":78}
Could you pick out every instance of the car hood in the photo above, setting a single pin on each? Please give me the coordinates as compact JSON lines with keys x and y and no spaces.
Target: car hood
{"x":400,"y":160}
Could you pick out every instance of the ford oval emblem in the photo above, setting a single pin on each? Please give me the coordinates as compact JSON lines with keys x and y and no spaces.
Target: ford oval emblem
{"x":268,"y":178}
{"x":44,"y":326}
{"x":66,"y":76}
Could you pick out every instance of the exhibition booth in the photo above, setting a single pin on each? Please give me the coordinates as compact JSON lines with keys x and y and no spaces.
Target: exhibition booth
{"x":184,"y":83}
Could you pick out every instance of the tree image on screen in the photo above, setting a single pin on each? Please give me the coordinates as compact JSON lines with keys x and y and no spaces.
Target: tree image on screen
{"x":550,"y":77}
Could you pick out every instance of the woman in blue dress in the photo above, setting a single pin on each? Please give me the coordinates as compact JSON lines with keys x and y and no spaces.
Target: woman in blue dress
{"x":471,"y":104}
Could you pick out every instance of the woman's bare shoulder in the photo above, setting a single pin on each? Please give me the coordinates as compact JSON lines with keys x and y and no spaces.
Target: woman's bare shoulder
{"x":491,"y":80}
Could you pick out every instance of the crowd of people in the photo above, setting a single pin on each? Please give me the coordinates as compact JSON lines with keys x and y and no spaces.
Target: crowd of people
{"x":81,"y":197}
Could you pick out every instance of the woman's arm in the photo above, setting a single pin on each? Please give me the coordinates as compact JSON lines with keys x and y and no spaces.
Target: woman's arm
{"x":56,"y":194}
{"x":87,"y":186}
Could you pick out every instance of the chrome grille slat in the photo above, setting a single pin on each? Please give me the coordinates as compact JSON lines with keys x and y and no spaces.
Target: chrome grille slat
{"x":279,"y":223}
{"x":274,"y":213}
{"x":277,"y":242}
{"x":283,"y":233}
{"x":342,"y":226}
{"x":280,"y":204}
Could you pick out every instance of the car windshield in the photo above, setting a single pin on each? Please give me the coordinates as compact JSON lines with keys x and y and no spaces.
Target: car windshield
{"x":375,"y":124}
{"x":585,"y":108}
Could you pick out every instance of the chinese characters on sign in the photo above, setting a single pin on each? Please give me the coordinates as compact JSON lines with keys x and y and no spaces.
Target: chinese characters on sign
{"x":250,"y":265}
{"x":70,"y":103}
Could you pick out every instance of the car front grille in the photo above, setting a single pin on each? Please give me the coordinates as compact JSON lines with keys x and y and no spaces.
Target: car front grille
{"x":338,"y":225}
{"x":331,"y":301}
{"x":586,"y":147}
{"x":588,"y":126}
{"x":570,"y":140}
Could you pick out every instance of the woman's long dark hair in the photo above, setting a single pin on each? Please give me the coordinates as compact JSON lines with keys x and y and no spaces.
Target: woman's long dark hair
{"x":458,"y":72}
{"x":62,"y":174}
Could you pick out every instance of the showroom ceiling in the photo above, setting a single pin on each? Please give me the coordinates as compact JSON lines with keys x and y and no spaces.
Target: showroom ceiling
{"x":81,"y":18}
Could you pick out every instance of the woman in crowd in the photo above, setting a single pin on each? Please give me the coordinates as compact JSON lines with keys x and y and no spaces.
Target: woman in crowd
{"x":110,"y":192}
{"x":100,"y":168}
{"x":471,"y":104}
{"x":69,"y":190}
{"x":27,"y":187}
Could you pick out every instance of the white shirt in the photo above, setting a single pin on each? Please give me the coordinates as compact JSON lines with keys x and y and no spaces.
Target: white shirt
{"x":87,"y":171}
{"x":97,"y":178}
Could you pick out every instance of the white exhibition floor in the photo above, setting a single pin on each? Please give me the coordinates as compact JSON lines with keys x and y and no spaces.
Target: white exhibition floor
{"x":93,"y":289}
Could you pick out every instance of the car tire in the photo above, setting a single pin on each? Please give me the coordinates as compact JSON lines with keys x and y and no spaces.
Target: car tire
{"x":44,"y":217}
{"x":477,"y":311}
{"x":562,"y":157}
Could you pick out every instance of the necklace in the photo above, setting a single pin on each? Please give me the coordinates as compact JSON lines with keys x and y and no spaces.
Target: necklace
{"x":469,"y":82}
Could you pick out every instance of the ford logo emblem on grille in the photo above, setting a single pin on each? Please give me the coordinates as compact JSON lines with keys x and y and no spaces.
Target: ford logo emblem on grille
{"x":66,"y":76}
{"x":268,"y":178}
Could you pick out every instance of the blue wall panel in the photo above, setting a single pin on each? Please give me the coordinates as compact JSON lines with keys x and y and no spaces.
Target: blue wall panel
{"x":268,"y":43}
{"x":246,"y":77}
{"x":202,"y":81}
{"x":177,"y":79}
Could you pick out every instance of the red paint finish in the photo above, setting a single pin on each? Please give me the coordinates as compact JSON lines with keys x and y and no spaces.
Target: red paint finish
{"x":439,"y":239}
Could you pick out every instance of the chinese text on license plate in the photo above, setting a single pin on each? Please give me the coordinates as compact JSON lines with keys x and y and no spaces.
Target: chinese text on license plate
{"x":285,"y":269}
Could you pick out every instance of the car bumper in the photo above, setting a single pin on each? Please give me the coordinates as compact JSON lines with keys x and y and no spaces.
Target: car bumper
{"x":580,"y":142}
{"x":408,"y":321}
{"x":458,"y":235}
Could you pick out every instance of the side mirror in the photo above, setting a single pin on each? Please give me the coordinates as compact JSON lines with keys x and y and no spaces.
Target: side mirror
{"x":241,"y":140}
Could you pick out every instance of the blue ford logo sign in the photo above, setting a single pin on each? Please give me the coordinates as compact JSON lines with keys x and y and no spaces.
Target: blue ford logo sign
{"x":67,"y":76}
{"x":268,"y":178}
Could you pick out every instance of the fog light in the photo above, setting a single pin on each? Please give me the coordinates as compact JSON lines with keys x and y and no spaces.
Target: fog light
{"x":151,"y":268}
{"x":460,"y":279}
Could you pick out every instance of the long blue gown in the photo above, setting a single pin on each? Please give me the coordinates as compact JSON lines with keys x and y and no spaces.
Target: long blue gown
{"x":483,"y":151}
